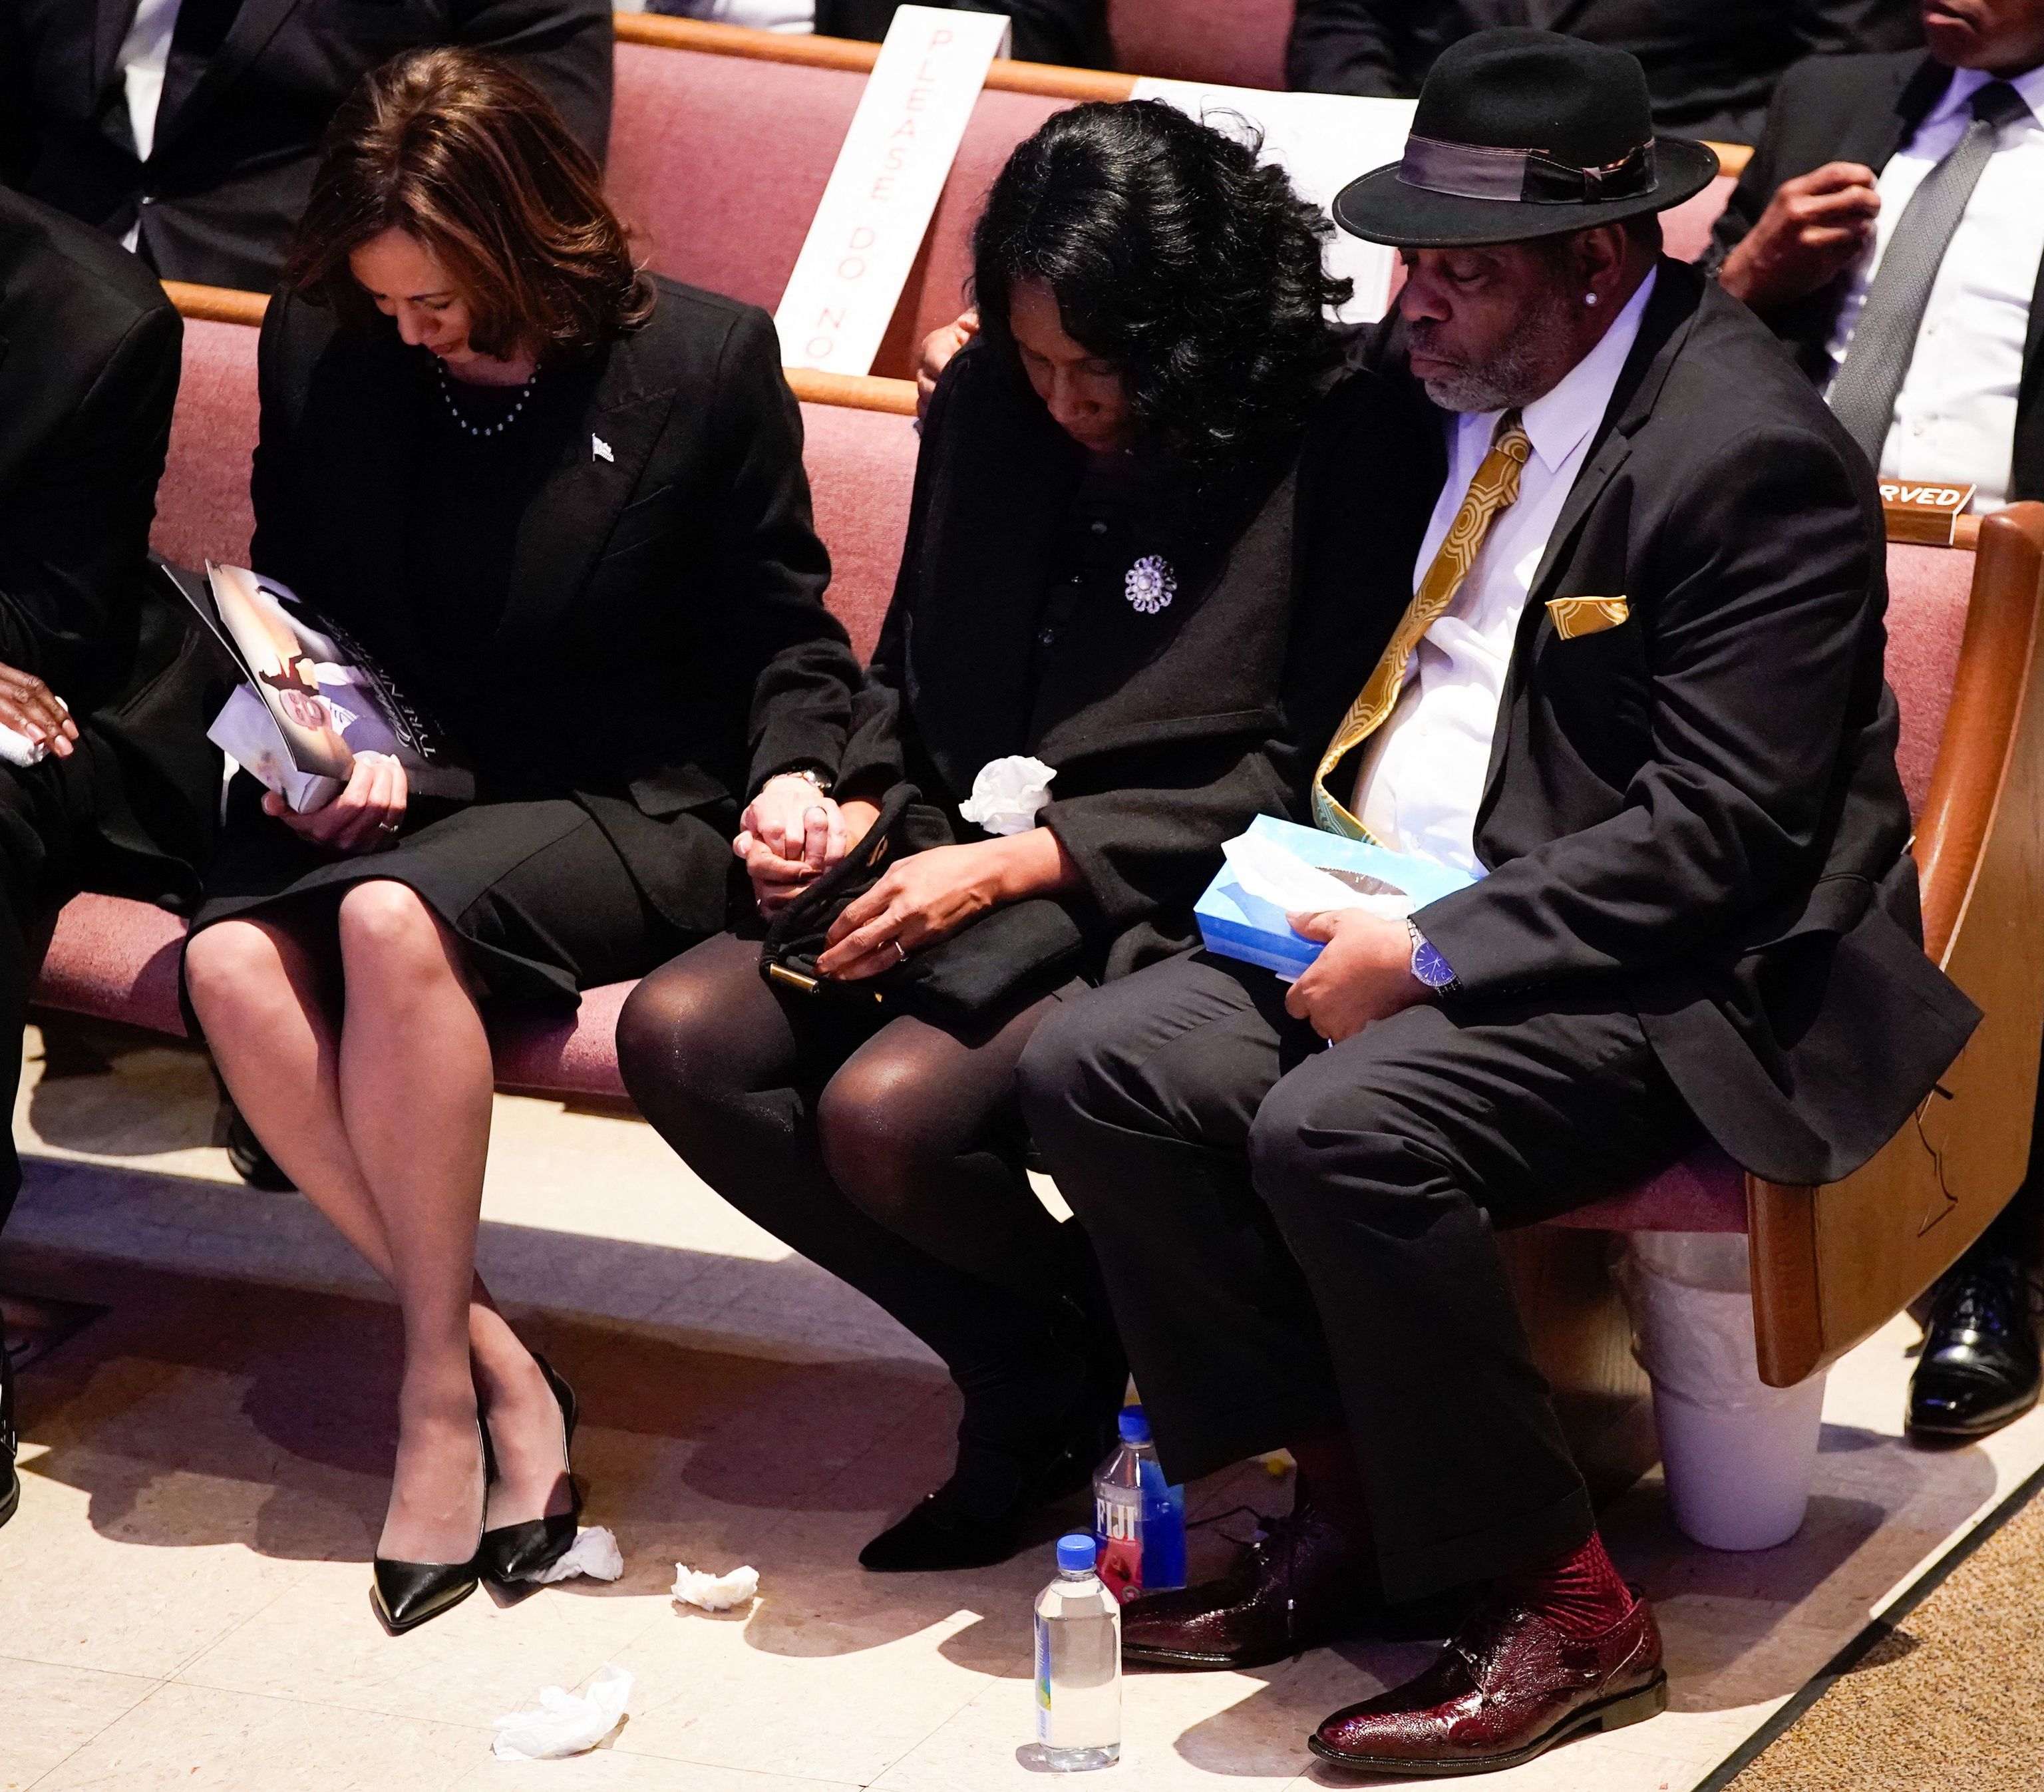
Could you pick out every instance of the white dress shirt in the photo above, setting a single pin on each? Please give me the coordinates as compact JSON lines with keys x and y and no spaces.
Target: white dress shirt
{"x":144,"y":51}
{"x":762,"y":15}
{"x":1423,"y":775}
{"x":1955,"y":415}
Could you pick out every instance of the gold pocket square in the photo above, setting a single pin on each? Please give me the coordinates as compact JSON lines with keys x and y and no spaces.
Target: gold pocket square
{"x":1586,"y":616}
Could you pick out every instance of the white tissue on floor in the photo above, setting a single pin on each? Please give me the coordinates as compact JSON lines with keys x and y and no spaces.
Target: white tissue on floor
{"x":594,"y":1552}
{"x":715,"y":1593}
{"x":566,"y":1723}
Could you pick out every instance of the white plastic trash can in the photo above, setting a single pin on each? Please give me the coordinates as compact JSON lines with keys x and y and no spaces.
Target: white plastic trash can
{"x":1738,"y":1454}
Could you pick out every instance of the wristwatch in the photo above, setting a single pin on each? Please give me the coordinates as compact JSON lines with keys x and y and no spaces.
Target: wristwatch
{"x":808,"y":777}
{"x":1429,"y":968}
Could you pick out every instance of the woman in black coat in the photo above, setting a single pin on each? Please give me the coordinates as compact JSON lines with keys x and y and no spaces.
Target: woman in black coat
{"x":1096,"y":580}
{"x":563,"y":505}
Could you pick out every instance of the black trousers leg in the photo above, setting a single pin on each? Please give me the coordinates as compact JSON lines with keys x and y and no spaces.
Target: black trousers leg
{"x":46,"y":817}
{"x":1141,"y":1097}
{"x":1381,"y":1162}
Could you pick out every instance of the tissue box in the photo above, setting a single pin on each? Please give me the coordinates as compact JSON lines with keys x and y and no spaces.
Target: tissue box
{"x":1236,"y":922}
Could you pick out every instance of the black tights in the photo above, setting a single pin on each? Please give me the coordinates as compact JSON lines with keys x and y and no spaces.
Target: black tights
{"x":885,"y":1148}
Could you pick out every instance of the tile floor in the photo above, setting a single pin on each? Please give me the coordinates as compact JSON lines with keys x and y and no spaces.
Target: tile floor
{"x":183,"y":1594}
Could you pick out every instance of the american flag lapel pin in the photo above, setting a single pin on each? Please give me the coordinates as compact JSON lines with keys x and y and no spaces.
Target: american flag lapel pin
{"x":600,"y":450}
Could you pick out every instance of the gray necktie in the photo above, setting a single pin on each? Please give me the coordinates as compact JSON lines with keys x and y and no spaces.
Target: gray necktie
{"x":1863,"y":394}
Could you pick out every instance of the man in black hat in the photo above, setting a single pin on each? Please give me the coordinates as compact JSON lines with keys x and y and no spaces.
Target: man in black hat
{"x":1637,"y":696}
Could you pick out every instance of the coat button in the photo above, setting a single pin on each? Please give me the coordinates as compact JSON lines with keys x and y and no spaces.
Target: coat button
{"x":1100,"y":528}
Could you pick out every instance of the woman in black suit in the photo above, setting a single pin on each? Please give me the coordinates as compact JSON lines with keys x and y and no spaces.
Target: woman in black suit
{"x":563,"y":504}
{"x":1097,"y":578}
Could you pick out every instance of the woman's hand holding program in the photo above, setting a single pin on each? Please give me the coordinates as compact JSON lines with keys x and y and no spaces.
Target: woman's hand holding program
{"x":933,"y":894}
{"x":365,"y":817}
{"x":790,"y":834}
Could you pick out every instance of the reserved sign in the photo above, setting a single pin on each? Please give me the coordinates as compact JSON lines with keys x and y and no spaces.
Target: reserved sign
{"x":1928,"y":513}
{"x":896,"y":156}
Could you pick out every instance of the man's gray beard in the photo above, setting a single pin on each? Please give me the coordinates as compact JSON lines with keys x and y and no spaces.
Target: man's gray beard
{"x":1516,"y":374}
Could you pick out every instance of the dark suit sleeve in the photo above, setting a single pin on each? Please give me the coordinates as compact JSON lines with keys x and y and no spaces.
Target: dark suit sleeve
{"x":285,"y":353}
{"x":1072,"y":33}
{"x":79,"y":538}
{"x":1756,"y":185}
{"x":1831,"y":27}
{"x":771,"y":570}
{"x":16,"y":130}
{"x":1348,"y":47}
{"x":563,"y":45}
{"x":1757,"y":626}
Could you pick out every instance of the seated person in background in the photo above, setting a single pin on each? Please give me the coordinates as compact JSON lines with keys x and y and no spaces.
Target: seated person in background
{"x":1710,"y":65}
{"x":1098,"y":574}
{"x":1639,"y":687}
{"x":1890,"y":228}
{"x":563,"y":503}
{"x":125,"y":799}
{"x":189,"y":129}
{"x":1070,"y":32}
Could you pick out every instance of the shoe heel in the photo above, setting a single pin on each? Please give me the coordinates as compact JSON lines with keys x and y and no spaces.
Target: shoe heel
{"x":1636,"y":1708}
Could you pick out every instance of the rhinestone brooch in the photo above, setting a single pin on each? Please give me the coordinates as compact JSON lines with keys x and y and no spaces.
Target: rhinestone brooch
{"x":1151,"y":584}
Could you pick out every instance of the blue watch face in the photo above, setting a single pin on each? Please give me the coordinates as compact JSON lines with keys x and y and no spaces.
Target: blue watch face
{"x":1429,"y":968}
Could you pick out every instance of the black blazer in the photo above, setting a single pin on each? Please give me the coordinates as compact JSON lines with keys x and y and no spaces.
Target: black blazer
{"x":664,"y":638}
{"x":238,"y":130}
{"x":88,"y":365}
{"x":1710,"y":63}
{"x":1863,"y":109}
{"x":1169,"y":730}
{"x":1073,"y":32}
{"x":1699,"y":809}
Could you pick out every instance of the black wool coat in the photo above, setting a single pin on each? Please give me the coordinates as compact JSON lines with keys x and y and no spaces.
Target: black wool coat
{"x":664,"y":648}
{"x":1170,"y":730}
{"x":1863,"y":109}
{"x":1699,"y":809}
{"x":88,"y":365}
{"x":247,"y":92}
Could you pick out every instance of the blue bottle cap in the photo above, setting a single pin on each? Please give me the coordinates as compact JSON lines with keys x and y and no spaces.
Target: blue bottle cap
{"x":1135,"y":1425}
{"x":1077,"y":1551}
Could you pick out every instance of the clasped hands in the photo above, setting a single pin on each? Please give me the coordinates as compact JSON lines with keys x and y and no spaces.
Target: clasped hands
{"x":1364,"y":973}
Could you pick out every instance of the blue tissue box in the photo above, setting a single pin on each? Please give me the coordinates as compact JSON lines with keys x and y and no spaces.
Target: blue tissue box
{"x":1236,"y":925}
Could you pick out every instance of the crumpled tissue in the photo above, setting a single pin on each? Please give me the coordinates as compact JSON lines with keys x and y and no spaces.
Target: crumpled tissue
{"x":594,"y":1552}
{"x":715,"y":1593}
{"x":566,"y":1723}
{"x":1006,"y":793}
{"x":16,"y":748}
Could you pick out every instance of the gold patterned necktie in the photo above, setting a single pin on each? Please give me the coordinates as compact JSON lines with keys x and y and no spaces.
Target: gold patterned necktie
{"x":1494,"y":488}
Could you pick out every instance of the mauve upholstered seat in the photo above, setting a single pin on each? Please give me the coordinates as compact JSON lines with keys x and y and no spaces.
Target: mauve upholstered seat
{"x":1234,"y":43}
{"x":719,"y":162}
{"x":202,"y":509}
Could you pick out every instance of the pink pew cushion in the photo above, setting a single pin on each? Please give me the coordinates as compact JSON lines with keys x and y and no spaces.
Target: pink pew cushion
{"x":573,"y":1055}
{"x":862,"y":473}
{"x":1685,"y":229}
{"x":1705,"y":1192}
{"x":202,"y":508}
{"x":1236,"y":42}
{"x":1928,"y":589}
{"x":117,"y":960}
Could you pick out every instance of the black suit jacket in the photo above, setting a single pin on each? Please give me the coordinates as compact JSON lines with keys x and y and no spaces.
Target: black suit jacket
{"x":1710,"y":63}
{"x":1699,"y":809}
{"x":664,"y":648}
{"x":1863,"y":109}
{"x":237,"y":136}
{"x":89,"y":363}
{"x":1170,"y":730}
{"x":1073,"y":32}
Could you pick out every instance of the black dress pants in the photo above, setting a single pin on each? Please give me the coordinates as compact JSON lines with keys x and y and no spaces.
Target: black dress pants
{"x":1295,"y":1236}
{"x":47,"y":817}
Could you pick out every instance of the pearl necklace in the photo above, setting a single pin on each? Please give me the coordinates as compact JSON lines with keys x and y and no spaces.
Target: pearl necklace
{"x":454,"y":410}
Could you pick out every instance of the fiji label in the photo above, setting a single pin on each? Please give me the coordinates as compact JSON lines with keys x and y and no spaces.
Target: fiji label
{"x":1118,"y":1523}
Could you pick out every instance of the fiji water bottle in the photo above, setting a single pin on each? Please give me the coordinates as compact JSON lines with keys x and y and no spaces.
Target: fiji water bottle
{"x":1078,"y":1664}
{"x":1140,"y":1522}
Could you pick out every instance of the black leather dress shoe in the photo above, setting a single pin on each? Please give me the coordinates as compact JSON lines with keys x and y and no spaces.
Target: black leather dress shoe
{"x":512,"y":1553}
{"x":1980,"y":1366}
{"x":405,"y":1594}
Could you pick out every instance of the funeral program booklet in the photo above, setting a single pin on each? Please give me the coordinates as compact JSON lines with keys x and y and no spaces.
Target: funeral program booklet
{"x":312,"y":697}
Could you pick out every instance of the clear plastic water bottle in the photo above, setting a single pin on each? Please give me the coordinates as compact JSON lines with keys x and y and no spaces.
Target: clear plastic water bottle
{"x":1078,"y":1664}
{"x":1139,"y":1520}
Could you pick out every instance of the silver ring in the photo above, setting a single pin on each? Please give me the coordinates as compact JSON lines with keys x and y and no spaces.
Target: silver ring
{"x":386,"y":827}
{"x":900,"y":948}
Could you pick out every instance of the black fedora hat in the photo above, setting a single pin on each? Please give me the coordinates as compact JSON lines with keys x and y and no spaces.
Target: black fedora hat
{"x":1520,"y":134}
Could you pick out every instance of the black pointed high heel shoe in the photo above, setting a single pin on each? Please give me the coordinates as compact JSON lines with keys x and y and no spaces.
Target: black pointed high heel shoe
{"x":513,"y":1554}
{"x":405,"y":1594}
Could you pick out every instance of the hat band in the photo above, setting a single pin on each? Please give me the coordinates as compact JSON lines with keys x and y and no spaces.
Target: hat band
{"x":1472,"y":171}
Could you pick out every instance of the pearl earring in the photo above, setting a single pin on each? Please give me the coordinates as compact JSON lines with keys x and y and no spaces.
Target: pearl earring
{"x":1589,"y":298}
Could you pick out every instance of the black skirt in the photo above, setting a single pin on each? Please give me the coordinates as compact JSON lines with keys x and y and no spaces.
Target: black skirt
{"x":535,"y":891}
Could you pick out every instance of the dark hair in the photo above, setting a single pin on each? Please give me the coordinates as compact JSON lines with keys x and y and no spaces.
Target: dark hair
{"x":461,"y":150}
{"x":1173,"y":251}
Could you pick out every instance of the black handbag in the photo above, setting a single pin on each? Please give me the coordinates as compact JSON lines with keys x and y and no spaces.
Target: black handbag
{"x":1028,"y":946}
